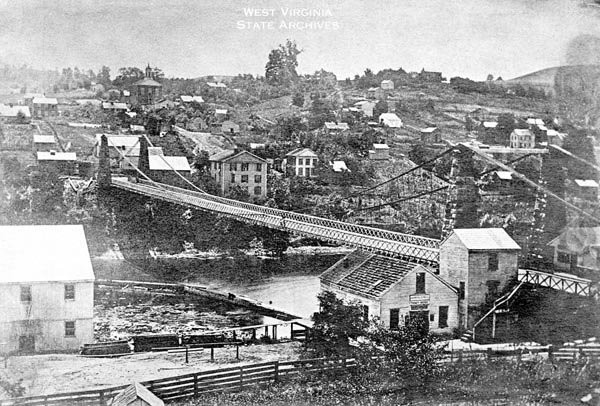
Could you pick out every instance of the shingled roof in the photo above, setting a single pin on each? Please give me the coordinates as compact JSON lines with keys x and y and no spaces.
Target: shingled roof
{"x":367,"y":274}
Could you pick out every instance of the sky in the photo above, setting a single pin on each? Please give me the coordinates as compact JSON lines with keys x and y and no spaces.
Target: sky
{"x":191,"y":38}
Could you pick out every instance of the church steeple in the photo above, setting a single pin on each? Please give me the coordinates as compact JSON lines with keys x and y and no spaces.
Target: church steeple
{"x":149,"y":71}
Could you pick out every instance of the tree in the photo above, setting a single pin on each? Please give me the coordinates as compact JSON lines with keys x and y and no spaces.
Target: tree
{"x":320,"y":112}
{"x":380,"y":108}
{"x":128,"y":76}
{"x":281,"y":66}
{"x":335,"y":324}
{"x":298,"y":99}
{"x":103,"y":76}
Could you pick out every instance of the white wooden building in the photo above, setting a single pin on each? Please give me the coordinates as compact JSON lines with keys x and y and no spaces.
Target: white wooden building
{"x":46,"y":289}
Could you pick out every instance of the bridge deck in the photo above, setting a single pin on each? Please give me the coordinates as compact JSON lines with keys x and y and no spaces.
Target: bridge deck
{"x":410,"y":247}
{"x":557,"y":281}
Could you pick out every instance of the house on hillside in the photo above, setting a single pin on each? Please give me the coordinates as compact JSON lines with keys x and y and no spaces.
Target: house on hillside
{"x":431,"y":135}
{"x":46,"y":289}
{"x":587,"y":189}
{"x":64,"y":163}
{"x":44,"y":107}
{"x":522,"y":138}
{"x":43,"y":143}
{"x":555,"y":138}
{"x":390,"y":120}
{"x":387,"y":85}
{"x":191,"y":99}
{"x":339,"y":166}
{"x":168,"y":169}
{"x":229,"y":127}
{"x":15,"y":114}
{"x":480,"y":262}
{"x":116,"y":107}
{"x":301,"y":162}
{"x":380,"y":152}
{"x":430,"y":77}
{"x":335,"y":127}
{"x":376,"y":93}
{"x":489,"y":125}
{"x":239,"y":168}
{"x":366,"y":107}
{"x":394,"y":290}
{"x":577,"y":250}
{"x":124,"y":151}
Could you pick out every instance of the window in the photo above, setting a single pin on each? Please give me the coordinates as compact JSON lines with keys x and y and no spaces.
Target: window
{"x":443,"y":317}
{"x":492,"y":261}
{"x":257,"y":190}
{"x":365,"y":311}
{"x":461,"y":290}
{"x":233,"y":178}
{"x":420,"y":288}
{"x":394,"y":318}
{"x":233,"y":166}
{"x":493,"y":287}
{"x":259,"y":167}
{"x":431,"y":317}
{"x":563,"y":257}
{"x":245,"y":167}
{"x":244,"y":178}
{"x":300,"y":161}
{"x":69,"y":329}
{"x":69,"y":292}
{"x":257,"y":178}
{"x":26,"y":293}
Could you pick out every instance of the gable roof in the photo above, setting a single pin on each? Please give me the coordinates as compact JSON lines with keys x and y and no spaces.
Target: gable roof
{"x":429,"y":129}
{"x":168,"y":163}
{"x":578,"y":239}
{"x":336,"y":126}
{"x":490,"y":124}
{"x":44,"y":254}
{"x":147,"y":82}
{"x":114,"y":106}
{"x":586,"y":183}
{"x":136,"y":391}
{"x":381,"y":146}
{"x":219,"y":156}
{"x":228,"y":154}
{"x":504,"y":175}
{"x":391,"y":120}
{"x":485,"y":239}
{"x":304,"y":152}
{"x":368,"y":275}
{"x":522,"y":132}
{"x":339,"y":166}
{"x":45,"y":100}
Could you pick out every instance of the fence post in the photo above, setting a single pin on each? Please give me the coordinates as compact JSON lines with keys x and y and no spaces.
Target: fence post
{"x":195,"y":384}
{"x":237,"y":351}
{"x":212,"y":354}
{"x":276,"y":374}
{"x":489,"y":353}
{"x":101,"y":394}
{"x":460,"y":356}
{"x":241,"y":377}
{"x":551,"y":353}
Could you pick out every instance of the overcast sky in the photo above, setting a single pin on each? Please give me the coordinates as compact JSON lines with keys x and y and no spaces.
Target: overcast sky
{"x":190,"y":38}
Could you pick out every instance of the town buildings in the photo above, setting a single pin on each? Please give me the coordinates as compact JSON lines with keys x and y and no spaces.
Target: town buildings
{"x":123,"y":150}
{"x":522,"y":138}
{"x":301,"y":162}
{"x":431,"y":135}
{"x":243,"y":169}
{"x":161,"y":168}
{"x":390,"y":120}
{"x":577,"y":250}
{"x":476,"y":265}
{"x":394,"y":291}
{"x":64,"y":163}
{"x":15,"y":114}
{"x":387,"y":85}
{"x":44,"y":107}
{"x":46,"y":289}
{"x":335,"y":127}
{"x":44,"y":143}
{"x":147,"y":90}
{"x":380,"y":152}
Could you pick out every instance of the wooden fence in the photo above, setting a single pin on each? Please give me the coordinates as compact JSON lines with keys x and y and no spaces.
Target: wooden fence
{"x":236,"y":378}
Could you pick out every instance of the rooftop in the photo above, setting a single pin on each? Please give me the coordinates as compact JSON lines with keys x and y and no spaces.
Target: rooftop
{"x":485,"y":239}
{"x":428,"y":129}
{"x":577,"y":239}
{"x":56,"y":156}
{"x":44,"y":254}
{"x":522,"y":131}
{"x":367,"y":274}
{"x":339,"y":166}
{"x":147,"y":82}
{"x":135,"y":391}
{"x":391,"y":120}
{"x":45,"y":100}
{"x":303,"y":152}
{"x":114,"y":106}
{"x":381,"y":146}
{"x":8,"y":111}
{"x":586,"y":183}
{"x":336,"y":126}
{"x":168,"y":163}
{"x":43,"y":139}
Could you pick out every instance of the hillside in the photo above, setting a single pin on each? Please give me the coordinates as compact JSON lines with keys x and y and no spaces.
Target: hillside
{"x":545,"y":77}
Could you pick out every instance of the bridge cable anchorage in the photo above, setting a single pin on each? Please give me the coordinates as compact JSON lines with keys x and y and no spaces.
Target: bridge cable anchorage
{"x":173,"y":169}
{"x":531,"y":183}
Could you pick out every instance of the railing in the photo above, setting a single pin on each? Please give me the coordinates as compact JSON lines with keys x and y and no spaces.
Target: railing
{"x":385,"y":242}
{"x":566,"y":283}
{"x":497,"y":303}
{"x":235,"y":378}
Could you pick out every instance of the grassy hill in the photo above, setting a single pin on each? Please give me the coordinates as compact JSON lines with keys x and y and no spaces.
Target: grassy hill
{"x":545,"y":77}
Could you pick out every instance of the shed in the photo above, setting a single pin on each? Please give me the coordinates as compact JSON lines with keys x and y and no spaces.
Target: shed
{"x":379,"y":152}
{"x":229,"y":127}
{"x":391,"y":120}
{"x":339,"y":166}
{"x":387,"y":85}
{"x":136,"y":394}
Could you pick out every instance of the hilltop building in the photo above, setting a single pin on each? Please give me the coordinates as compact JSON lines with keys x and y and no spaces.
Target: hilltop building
{"x":148,"y":90}
{"x":522,"y":138}
{"x":239,"y":168}
{"x":301,"y":162}
{"x":46,"y":289}
{"x":577,"y":250}
{"x":44,"y":107}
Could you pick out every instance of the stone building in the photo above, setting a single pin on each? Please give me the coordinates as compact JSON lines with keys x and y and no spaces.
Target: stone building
{"x":239,"y":168}
{"x":46,"y":289}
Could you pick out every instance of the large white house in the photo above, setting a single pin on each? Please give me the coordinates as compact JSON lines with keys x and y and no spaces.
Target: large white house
{"x":46,"y":289}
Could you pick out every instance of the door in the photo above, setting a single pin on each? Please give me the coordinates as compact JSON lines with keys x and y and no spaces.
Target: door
{"x":26,"y":344}
{"x":420,"y":321}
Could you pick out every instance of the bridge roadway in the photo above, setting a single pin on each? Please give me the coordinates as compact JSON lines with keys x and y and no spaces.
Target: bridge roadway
{"x":389,"y":243}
